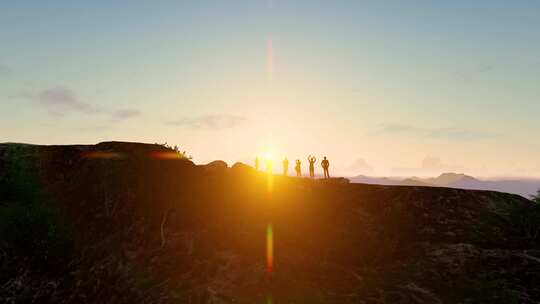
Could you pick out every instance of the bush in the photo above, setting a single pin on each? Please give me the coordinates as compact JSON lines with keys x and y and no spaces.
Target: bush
{"x":176,"y":149}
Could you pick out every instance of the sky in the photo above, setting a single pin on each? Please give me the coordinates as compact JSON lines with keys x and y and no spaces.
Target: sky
{"x":380,"y":87}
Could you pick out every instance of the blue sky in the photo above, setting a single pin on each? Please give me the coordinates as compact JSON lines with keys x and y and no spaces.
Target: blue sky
{"x":382,"y":88}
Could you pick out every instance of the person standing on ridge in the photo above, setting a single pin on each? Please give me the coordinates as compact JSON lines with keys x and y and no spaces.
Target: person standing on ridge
{"x":311,"y":160}
{"x":257,"y":163}
{"x":285,"y":166}
{"x":325,"y":164}
{"x":298,"y":168}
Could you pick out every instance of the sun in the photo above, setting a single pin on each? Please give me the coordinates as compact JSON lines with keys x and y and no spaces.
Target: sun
{"x":268,"y":156}
{"x":269,"y":151}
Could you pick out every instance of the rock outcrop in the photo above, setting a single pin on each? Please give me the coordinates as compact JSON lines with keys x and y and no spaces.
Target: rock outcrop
{"x":146,"y":226}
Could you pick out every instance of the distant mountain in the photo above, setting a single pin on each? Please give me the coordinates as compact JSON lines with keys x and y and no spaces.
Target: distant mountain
{"x":376,"y":180}
{"x":415,"y":182}
{"x":450,"y":179}
{"x":523,"y":187}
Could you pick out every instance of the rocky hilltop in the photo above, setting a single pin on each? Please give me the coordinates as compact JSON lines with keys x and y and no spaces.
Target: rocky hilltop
{"x":137,"y":223}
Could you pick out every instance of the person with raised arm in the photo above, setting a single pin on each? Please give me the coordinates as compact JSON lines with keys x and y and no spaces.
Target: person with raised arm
{"x":312,"y":160}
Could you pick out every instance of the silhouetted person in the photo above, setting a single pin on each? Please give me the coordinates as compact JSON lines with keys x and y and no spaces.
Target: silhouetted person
{"x":285,"y":166}
{"x":311,"y":160}
{"x":298,"y":168}
{"x":325,"y":165}
{"x":257,"y":163}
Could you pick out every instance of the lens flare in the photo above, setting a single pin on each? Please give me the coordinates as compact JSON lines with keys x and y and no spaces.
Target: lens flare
{"x":269,"y":249}
{"x":269,"y":183}
{"x":166,"y":155}
{"x":269,"y":177}
{"x":270,"y":59}
{"x":268,"y":156}
{"x":102,"y":155}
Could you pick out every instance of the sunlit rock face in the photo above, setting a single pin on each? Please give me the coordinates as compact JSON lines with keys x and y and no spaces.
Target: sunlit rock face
{"x":146,"y":226}
{"x":242,"y":167}
{"x":216,"y":166}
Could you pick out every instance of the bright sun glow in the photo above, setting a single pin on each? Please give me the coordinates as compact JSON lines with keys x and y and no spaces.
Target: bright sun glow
{"x":269,"y":151}
{"x":268,"y":155}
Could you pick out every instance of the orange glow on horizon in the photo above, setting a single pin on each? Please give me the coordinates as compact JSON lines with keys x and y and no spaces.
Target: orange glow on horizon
{"x":102,"y":155}
{"x":165,"y":155}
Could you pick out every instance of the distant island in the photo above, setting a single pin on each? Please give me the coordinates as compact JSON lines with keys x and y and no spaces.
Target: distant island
{"x":523,"y":187}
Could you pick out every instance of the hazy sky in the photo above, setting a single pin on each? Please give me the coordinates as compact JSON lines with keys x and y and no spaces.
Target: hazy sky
{"x":380,"y":87}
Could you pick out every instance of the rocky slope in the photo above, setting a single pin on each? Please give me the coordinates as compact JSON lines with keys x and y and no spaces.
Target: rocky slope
{"x":125,"y":222}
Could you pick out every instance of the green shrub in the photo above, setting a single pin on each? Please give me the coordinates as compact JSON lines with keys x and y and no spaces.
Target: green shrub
{"x":176,"y":149}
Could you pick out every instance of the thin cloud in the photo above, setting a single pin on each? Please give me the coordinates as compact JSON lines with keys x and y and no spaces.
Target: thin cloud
{"x":430,"y":165}
{"x":360,"y":165}
{"x":4,"y":69}
{"x":125,"y":114}
{"x":59,"y":101}
{"x":393,"y":128}
{"x":460,"y":134}
{"x":435,"y":164}
{"x":450,"y":133}
{"x":62,"y":100}
{"x":209,"y":122}
{"x":476,"y":72}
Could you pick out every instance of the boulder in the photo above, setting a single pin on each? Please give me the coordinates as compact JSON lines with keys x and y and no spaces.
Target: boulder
{"x":241,"y":167}
{"x":216,"y":166}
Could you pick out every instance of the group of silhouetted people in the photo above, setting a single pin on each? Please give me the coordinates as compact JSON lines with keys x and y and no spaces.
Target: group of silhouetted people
{"x":325,"y":164}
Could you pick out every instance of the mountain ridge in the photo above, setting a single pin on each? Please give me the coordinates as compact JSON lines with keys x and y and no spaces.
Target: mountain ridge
{"x":523,"y":187}
{"x":149,"y":228}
